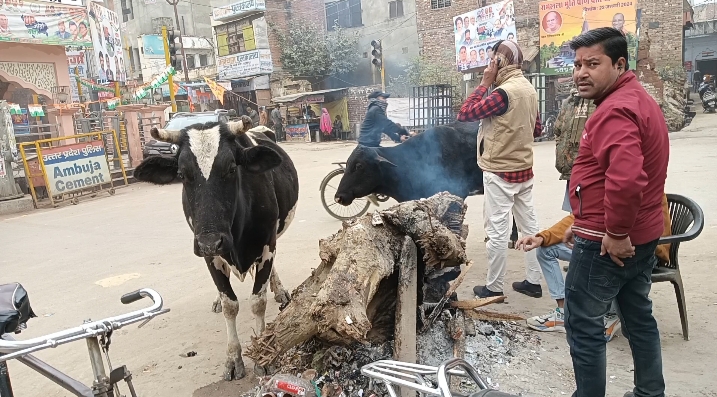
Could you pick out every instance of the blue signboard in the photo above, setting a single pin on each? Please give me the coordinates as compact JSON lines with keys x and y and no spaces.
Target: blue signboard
{"x":153,"y":46}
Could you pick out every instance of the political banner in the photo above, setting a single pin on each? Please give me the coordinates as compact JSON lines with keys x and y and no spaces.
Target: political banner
{"x":217,"y":90}
{"x":76,"y":62}
{"x":107,"y":44}
{"x":35,"y":22}
{"x":476,"y":33}
{"x":75,"y":167}
{"x":563,"y":20}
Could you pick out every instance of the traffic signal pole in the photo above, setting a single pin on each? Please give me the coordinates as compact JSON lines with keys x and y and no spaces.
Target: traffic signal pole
{"x":181,"y":43}
{"x":377,"y":61}
{"x":167,"y":60}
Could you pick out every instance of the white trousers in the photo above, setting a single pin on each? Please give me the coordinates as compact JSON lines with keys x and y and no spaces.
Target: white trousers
{"x":502,"y":201}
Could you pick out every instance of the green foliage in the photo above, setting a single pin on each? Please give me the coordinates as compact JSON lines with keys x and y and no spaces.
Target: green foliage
{"x":549,"y":51}
{"x":306,"y":51}
{"x":671,"y":73}
{"x":424,"y":71}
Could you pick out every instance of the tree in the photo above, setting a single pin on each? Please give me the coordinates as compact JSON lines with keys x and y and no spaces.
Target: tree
{"x":425,"y":71}
{"x":308,"y":52}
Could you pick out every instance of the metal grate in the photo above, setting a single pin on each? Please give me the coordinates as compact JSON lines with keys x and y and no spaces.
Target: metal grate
{"x":431,"y":105}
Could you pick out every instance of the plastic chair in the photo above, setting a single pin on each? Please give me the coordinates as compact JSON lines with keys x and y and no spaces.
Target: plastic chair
{"x":683,"y":213}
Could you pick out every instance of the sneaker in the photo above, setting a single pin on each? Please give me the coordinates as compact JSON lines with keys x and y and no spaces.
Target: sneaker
{"x":551,"y":322}
{"x":482,"y":291}
{"x":526,"y":288}
{"x":612,"y":326}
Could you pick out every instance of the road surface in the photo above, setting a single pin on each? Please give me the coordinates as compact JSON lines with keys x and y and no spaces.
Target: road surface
{"x":76,"y":261}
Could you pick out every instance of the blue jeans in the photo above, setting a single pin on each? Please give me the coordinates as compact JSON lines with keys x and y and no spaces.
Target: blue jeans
{"x":593,"y":281}
{"x":548,"y":259}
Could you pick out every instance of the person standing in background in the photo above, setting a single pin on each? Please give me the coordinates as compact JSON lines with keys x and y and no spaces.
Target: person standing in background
{"x":263,"y":116}
{"x":510,"y":121}
{"x":277,"y":123}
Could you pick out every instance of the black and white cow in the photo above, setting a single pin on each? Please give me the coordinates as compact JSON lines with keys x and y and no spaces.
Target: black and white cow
{"x":239,"y":195}
{"x":443,"y":158}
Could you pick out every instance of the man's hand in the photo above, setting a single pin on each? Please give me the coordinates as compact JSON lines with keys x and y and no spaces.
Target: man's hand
{"x":529,"y":243}
{"x":617,"y":249}
{"x":568,"y":237}
{"x":489,"y":74}
{"x":404,"y":138}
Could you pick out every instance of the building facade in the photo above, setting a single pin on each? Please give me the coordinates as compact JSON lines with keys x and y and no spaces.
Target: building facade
{"x":701,"y":41}
{"x":391,"y":22}
{"x":661,"y":32}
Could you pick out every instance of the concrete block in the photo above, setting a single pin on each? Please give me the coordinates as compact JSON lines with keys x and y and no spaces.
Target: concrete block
{"x":14,"y":206}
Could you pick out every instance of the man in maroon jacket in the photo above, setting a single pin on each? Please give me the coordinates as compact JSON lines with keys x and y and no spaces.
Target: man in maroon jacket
{"x":616,"y":189}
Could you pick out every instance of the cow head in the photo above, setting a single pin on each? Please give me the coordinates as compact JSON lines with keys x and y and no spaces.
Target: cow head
{"x":211,"y":161}
{"x":365,"y":171}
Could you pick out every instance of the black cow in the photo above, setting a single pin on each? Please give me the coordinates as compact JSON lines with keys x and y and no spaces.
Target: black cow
{"x":443,"y":158}
{"x":239,"y":195}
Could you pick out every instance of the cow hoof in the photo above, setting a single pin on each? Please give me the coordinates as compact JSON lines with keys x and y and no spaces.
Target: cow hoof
{"x":234,"y":369}
{"x":217,"y":306}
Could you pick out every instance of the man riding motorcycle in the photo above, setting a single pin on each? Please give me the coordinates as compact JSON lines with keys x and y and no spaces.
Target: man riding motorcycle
{"x":376,"y":122}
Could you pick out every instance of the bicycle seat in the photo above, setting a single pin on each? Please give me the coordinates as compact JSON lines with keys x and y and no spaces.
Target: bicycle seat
{"x":15,"y":308}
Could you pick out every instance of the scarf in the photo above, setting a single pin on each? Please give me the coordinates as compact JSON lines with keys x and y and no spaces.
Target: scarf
{"x":509,"y":59}
{"x":383,"y":105}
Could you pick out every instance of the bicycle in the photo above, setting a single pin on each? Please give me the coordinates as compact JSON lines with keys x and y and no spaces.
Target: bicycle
{"x":548,"y":132}
{"x":413,"y":376}
{"x":343,"y":213}
{"x":98,"y":335}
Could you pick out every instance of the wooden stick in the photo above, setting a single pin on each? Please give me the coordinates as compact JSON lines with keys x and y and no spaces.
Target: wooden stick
{"x":406,"y":305}
{"x":474,"y":303}
{"x":487,"y":315}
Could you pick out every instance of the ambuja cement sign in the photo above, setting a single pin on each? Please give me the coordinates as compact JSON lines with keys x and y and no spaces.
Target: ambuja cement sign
{"x":75,"y":167}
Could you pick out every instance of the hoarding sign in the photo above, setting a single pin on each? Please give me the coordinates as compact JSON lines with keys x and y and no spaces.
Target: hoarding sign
{"x":563,"y":20}
{"x":34,"y":22}
{"x":153,"y":46}
{"x":107,"y":44}
{"x":75,"y":167}
{"x":238,"y":9}
{"x":245,"y":64}
{"x":476,"y":33}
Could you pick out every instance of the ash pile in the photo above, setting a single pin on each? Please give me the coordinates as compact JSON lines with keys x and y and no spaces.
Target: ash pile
{"x":385,"y":289}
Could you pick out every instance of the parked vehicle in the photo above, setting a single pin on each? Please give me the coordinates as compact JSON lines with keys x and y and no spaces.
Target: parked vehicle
{"x":15,"y":311}
{"x":548,"y":133}
{"x":176,"y":123}
{"x":707,"y":95}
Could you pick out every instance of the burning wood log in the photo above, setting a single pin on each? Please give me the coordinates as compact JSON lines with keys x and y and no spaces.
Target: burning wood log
{"x":351,"y":296}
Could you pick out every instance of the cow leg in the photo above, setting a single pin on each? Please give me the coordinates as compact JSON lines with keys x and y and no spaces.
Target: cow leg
{"x":264,"y":271}
{"x":234,"y":365}
{"x":281,"y":295}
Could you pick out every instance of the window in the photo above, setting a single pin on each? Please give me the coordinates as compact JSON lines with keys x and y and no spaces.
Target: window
{"x":436,"y":4}
{"x":404,"y":50}
{"x":203,"y":60}
{"x":235,"y":37}
{"x":127,"y":10}
{"x":395,"y":9}
{"x":190,"y":62}
{"x":344,"y":13}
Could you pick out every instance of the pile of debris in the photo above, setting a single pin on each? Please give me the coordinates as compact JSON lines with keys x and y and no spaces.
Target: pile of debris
{"x":385,"y":289}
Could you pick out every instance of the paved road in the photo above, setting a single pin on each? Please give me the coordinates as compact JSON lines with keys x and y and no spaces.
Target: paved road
{"x":76,"y":261}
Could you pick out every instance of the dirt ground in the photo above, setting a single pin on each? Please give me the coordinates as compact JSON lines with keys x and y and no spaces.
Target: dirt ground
{"x":77,"y":261}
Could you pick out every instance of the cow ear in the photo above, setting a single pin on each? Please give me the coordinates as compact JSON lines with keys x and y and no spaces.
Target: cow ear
{"x":158,"y":170}
{"x":382,"y":160}
{"x":258,"y":159}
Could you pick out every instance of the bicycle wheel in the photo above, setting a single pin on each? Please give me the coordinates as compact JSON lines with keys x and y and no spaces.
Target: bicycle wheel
{"x":329,"y":186}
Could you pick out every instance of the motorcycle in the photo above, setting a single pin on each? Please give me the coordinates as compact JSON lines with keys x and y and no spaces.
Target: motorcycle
{"x":708,"y":97}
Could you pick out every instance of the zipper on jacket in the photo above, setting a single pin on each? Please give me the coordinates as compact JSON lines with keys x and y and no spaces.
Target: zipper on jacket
{"x":580,"y":200}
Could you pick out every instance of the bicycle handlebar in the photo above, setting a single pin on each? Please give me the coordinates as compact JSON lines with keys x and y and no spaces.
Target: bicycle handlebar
{"x":14,"y":349}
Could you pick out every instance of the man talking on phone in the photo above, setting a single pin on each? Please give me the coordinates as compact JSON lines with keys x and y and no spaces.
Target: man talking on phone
{"x":505,"y":145}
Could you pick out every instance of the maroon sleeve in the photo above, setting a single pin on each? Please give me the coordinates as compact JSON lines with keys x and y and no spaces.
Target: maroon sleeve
{"x":538,"y":126}
{"x":619,"y":153}
{"x":477,"y":108}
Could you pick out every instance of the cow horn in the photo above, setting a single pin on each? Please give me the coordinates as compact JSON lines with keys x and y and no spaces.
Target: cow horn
{"x":241,"y":126}
{"x":164,"y":135}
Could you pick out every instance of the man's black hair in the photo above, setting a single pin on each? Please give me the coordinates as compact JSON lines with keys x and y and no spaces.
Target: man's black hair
{"x":613,"y":43}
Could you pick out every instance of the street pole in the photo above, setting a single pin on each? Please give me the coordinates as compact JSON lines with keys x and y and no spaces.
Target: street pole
{"x":184,"y":57}
{"x":8,"y":153}
{"x":383,"y":72}
{"x":79,"y":84}
{"x":168,"y":61}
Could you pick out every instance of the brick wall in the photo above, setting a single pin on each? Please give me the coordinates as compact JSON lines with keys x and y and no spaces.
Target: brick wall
{"x":357,"y":102}
{"x":280,"y":12}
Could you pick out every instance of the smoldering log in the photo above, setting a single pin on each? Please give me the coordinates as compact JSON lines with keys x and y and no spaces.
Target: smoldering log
{"x":351,"y":296}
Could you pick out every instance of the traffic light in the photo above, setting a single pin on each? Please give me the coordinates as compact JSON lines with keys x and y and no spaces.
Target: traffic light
{"x":377,"y":54}
{"x":174,"y":49}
